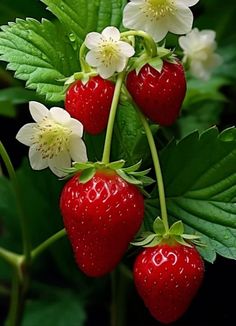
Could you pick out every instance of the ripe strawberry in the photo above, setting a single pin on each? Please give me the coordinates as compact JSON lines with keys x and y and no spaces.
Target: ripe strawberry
{"x":90,"y":103}
{"x":167,"y":278}
{"x":158,"y":95}
{"x":101,"y":218}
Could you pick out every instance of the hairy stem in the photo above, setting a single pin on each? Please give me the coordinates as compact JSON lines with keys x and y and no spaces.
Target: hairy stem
{"x":114,"y":105}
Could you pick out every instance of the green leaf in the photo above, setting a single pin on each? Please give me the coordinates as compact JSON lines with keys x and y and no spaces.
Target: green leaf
{"x":40,"y":53}
{"x":228,"y":135}
{"x":177,"y":228}
{"x":199,"y":91}
{"x":58,"y":307}
{"x":116,"y":165}
{"x":200,"y":183}
{"x":82,"y":16}
{"x":17,"y":95}
{"x":129,"y":138}
{"x":128,"y":178}
{"x":145,"y":241}
{"x":87,"y":175}
{"x":158,"y":226}
{"x":156,"y":63}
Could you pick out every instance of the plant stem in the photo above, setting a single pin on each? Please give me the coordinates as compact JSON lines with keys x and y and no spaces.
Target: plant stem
{"x":84,"y":66}
{"x":115,"y":102}
{"x":14,"y":312}
{"x":22,"y":217}
{"x":158,"y":172}
{"x":10,"y":257}
{"x":43,"y":246}
{"x":150,"y":44}
{"x":156,"y":163}
{"x":119,"y":282}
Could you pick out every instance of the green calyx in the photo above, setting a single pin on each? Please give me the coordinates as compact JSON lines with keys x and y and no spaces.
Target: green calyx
{"x":156,"y":62}
{"x":174,"y":235}
{"x":83,"y":76}
{"x":130,"y":174}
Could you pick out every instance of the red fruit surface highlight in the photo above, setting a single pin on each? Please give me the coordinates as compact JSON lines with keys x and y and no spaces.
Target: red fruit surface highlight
{"x":167,"y":278}
{"x":90,"y":103}
{"x":101,"y":218}
{"x":159,"y":95}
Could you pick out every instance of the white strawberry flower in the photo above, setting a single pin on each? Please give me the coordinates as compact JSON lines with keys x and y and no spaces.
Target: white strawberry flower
{"x":107,"y":53}
{"x":199,"y":51}
{"x":54,"y":139}
{"x":158,"y":17}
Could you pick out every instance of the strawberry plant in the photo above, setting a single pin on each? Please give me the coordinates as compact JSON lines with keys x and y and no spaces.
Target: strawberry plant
{"x":128,"y":192}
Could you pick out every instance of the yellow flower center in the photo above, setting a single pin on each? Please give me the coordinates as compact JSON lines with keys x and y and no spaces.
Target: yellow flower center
{"x":51,"y":138}
{"x":156,"y":9}
{"x":108,"y":52}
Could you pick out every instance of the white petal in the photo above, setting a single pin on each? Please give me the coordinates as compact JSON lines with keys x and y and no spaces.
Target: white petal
{"x":106,"y":71}
{"x":60,"y":115}
{"x":111,"y":32}
{"x":181,"y":22}
{"x":38,"y":111}
{"x":158,"y":30}
{"x":208,"y":35}
{"x":59,"y":162}
{"x":188,"y":3}
{"x":76,"y":127}
{"x":78,"y":150}
{"x":93,"y":59}
{"x":120,"y":65}
{"x":25,"y":134}
{"x":133,"y":17}
{"x":92,"y":40}
{"x":36,"y":160}
{"x":126,"y":49}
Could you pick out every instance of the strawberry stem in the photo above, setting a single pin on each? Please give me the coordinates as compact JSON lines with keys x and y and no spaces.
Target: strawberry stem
{"x":157,"y":167}
{"x":114,"y":105}
{"x":150,"y":45}
{"x":14,"y":312}
{"x":43,"y":246}
{"x":23,"y":221}
{"x":84,"y":66}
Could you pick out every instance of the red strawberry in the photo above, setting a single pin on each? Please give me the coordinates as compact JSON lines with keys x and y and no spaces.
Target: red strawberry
{"x":90,"y":103}
{"x":101,"y":218}
{"x":159,"y":95}
{"x":167,"y":278}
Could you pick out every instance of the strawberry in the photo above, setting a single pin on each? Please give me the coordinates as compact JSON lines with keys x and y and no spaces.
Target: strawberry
{"x":167,"y":278}
{"x":158,"y":94}
{"x":90,"y":103}
{"x":101,"y":217}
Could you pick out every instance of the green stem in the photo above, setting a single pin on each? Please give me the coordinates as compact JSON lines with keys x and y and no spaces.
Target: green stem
{"x":43,"y":246}
{"x":84,"y":66}
{"x":156,"y":163}
{"x":22,"y":217}
{"x":10,"y":257}
{"x":120,"y":289}
{"x":150,"y":44}
{"x":14,"y":312}
{"x":115,"y":102}
{"x":158,"y":172}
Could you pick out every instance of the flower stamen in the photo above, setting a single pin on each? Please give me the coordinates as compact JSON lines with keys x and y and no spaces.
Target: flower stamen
{"x":51,"y":138}
{"x":157,"y":9}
